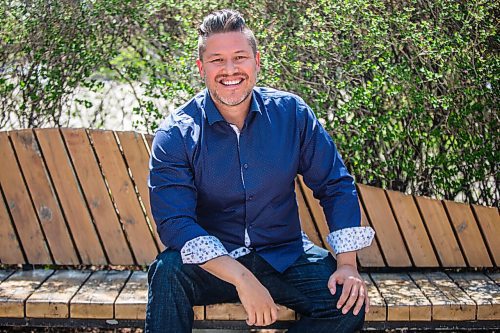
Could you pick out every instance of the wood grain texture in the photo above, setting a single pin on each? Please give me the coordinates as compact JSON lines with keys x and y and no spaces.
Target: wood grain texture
{"x":44,"y":198}
{"x":97,"y":196}
{"x":131,"y":303}
{"x":316,"y":212}
{"x":370,"y":256}
{"x":123,"y":192}
{"x":17,"y":288}
{"x":441,"y":232}
{"x":380,"y":214}
{"x":489,"y":222}
{"x":10,"y":248}
{"x":20,"y":206}
{"x":137,"y":158}
{"x":468,"y":233}
{"x":412,"y":229}
{"x":378,"y":308}
{"x":405,"y":301}
{"x":485,"y":292}
{"x":70,"y":197}
{"x":236,"y":311}
{"x":306,"y":222}
{"x":51,"y":299}
{"x":97,"y":296}
{"x":448,"y":301}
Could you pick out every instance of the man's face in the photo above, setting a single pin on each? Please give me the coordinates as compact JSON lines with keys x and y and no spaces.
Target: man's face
{"x":229,"y":68}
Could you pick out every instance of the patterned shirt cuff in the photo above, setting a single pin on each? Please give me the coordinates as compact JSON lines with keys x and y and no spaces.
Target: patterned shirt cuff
{"x":201,"y":249}
{"x":350,"y":239}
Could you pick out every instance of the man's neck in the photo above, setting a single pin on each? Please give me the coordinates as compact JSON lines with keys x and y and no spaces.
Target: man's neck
{"x":235,"y":114}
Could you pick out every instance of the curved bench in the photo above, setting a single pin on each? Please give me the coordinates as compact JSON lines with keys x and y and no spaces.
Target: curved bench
{"x":76,"y":236}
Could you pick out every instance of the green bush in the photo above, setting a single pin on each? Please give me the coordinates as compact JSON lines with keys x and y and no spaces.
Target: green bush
{"x":408,"y":89}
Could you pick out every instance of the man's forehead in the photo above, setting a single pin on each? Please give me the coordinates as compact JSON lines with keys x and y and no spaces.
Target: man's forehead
{"x":227,"y":42}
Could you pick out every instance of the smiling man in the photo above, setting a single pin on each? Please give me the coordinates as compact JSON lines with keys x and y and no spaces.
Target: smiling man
{"x":222,"y":174}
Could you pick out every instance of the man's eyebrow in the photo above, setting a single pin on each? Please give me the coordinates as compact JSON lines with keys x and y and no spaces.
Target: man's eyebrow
{"x":219,"y":54}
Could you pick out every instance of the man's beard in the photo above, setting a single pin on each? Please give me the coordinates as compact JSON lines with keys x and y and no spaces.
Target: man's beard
{"x":228,"y":101}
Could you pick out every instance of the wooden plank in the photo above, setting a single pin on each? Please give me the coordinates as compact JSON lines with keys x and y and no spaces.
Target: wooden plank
{"x":489,"y":221}
{"x":137,"y":156}
{"x":495,"y":277}
{"x":51,"y":299}
{"x":449,"y":302}
{"x":70,"y":197}
{"x":440,"y":231}
{"x":97,"y":296}
{"x":370,"y":256}
{"x":10,"y":249}
{"x":316,"y":212}
{"x":5,"y":273}
{"x":236,"y":311}
{"x":17,"y":288}
{"x":378,"y":308}
{"x":404,"y":299}
{"x":485,"y":292}
{"x":122,"y":189}
{"x":43,"y":196}
{"x":413,"y":229}
{"x":382,"y":220}
{"x":468,"y":233}
{"x":131,"y":303}
{"x":306,"y":222}
{"x":149,"y":141}
{"x":97,"y":197}
{"x":20,"y":206}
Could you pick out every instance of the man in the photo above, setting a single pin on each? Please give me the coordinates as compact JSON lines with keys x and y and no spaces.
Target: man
{"x":222,"y":195}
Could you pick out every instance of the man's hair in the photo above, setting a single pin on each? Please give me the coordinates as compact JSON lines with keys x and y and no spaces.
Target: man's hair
{"x":225,"y":20}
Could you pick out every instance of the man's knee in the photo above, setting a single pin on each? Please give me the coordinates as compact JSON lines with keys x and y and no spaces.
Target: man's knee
{"x":166,"y":266}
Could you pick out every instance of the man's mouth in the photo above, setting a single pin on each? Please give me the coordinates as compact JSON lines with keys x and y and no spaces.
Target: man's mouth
{"x":230,"y":83}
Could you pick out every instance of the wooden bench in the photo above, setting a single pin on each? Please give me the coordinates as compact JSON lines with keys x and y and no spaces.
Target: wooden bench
{"x":76,"y":236}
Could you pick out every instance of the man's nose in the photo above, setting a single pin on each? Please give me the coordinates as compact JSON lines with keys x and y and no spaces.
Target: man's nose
{"x":230,"y":67}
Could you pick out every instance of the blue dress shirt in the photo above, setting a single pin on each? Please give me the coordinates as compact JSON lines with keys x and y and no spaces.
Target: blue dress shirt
{"x":216,"y":191}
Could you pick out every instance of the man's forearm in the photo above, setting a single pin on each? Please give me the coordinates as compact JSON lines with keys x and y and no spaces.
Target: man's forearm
{"x":228,"y":269}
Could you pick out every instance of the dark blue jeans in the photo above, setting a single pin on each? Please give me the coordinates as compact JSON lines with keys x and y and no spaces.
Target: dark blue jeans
{"x":174,"y":288}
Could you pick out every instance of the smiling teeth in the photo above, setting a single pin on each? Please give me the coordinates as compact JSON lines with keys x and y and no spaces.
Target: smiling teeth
{"x":231,"y":83}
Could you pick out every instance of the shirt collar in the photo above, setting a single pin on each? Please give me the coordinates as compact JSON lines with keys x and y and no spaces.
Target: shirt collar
{"x":213,"y":115}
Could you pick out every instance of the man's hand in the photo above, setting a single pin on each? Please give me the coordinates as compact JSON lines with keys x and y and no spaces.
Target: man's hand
{"x":258,"y":303}
{"x":255,"y":298}
{"x":354,"y":292}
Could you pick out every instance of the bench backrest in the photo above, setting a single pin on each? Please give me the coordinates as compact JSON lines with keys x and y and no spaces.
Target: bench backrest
{"x":76,"y":196}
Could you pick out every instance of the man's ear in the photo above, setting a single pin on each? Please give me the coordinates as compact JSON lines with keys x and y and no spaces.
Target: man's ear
{"x":200,"y":67}
{"x":257,"y":60}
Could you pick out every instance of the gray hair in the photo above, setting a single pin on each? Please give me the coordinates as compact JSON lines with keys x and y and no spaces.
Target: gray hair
{"x":225,"y":20}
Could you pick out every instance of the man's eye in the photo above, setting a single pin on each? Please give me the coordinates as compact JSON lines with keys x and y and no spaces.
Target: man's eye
{"x":216,"y":60}
{"x":240,"y":57}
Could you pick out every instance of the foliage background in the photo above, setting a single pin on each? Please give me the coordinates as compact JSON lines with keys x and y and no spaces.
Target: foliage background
{"x":408,"y":89}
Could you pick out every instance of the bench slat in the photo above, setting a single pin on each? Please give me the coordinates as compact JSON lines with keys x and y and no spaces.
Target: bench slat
{"x":137,"y":156}
{"x":70,"y":196}
{"x":10,"y":249}
{"x":236,"y":311}
{"x":369,"y":256}
{"x":495,"y":277}
{"x":380,"y":215}
{"x":378,"y":308}
{"x":316,"y":212}
{"x":306,"y":221}
{"x":445,"y":305}
{"x":97,"y":296}
{"x":123,"y":191}
{"x":483,"y":291}
{"x":17,"y":288}
{"x":20,"y":206}
{"x":489,"y":221}
{"x":468,"y":233}
{"x":440,"y":231}
{"x":131,"y":303}
{"x":404,"y":299}
{"x":97,"y":197}
{"x":44,"y":199}
{"x":413,"y":230}
{"x":4,"y":274}
{"x":51,"y":299}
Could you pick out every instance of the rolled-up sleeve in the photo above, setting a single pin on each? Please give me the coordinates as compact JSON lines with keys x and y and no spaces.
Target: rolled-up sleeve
{"x":173,"y":200}
{"x":326,"y":174}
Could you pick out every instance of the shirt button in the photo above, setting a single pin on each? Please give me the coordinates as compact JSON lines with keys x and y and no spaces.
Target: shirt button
{"x":245,"y":165}
{"x":250,"y":198}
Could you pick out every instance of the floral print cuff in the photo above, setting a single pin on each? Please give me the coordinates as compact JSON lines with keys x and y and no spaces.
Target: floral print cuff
{"x":350,"y":239}
{"x":201,"y":249}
